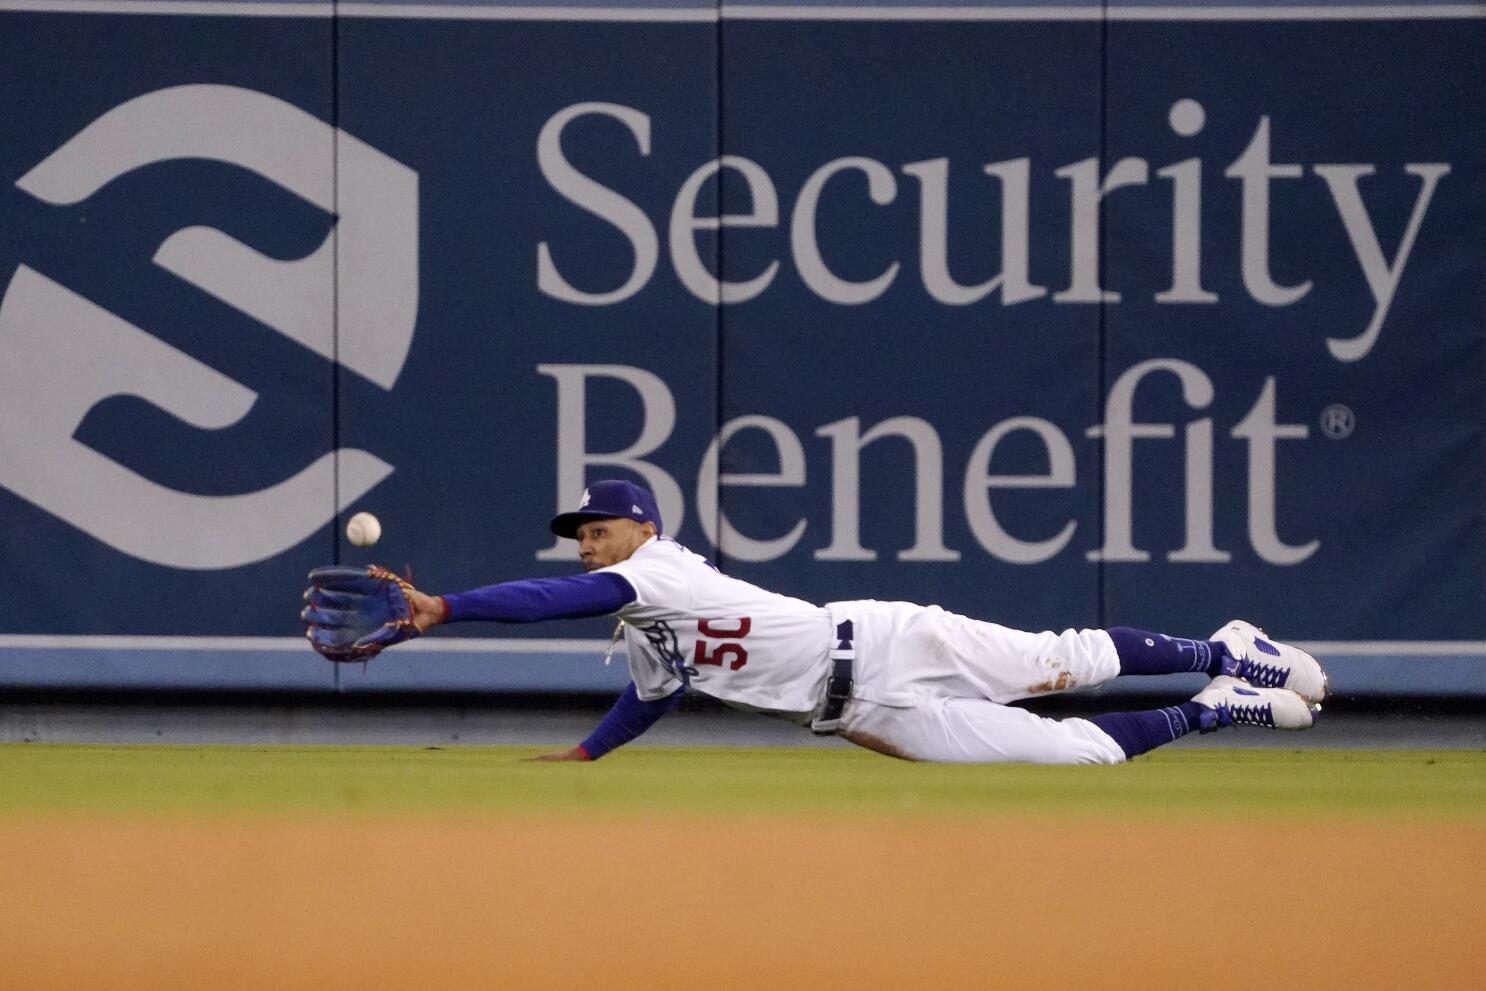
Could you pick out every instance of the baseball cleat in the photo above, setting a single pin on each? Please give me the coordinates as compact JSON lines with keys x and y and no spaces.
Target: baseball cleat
{"x":1230,"y":701}
{"x":1265,"y":663}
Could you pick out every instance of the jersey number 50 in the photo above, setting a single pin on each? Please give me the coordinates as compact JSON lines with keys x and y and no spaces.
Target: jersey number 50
{"x":729,"y":651}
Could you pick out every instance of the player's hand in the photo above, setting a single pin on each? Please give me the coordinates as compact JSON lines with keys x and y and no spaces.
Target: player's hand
{"x":353,"y":614}
{"x":573,"y":753}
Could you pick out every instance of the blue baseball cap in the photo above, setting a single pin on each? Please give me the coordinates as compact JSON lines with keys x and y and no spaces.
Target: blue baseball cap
{"x":612,"y":498}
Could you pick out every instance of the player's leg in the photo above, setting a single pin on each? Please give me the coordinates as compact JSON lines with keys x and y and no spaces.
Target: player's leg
{"x":1239,"y":650}
{"x":964,"y":657}
{"x":904,"y":648}
{"x":969,"y":658}
{"x":1226,"y":701}
{"x":975,"y":731}
{"x":1144,"y":652}
{"x":962,"y":730}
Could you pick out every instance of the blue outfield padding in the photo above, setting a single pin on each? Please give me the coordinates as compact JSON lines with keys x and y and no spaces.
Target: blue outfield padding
{"x":1060,"y":314}
{"x":257,"y":665}
{"x":578,"y":667}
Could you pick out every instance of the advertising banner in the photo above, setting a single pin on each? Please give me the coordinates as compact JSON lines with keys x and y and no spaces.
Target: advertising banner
{"x":1054,"y":316}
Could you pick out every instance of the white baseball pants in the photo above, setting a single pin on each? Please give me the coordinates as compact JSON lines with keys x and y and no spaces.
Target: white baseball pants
{"x":932,"y":685}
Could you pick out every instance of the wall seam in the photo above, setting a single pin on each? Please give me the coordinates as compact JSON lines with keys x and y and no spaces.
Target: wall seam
{"x":1102,"y":355}
{"x":718,"y":329}
{"x":335,"y":285}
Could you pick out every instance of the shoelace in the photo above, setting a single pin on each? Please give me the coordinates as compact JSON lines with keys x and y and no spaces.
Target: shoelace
{"x":1252,"y":715}
{"x":1259,"y":673}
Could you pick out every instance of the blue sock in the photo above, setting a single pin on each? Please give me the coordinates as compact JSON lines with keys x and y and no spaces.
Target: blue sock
{"x":1137,"y":732}
{"x":1156,"y":653}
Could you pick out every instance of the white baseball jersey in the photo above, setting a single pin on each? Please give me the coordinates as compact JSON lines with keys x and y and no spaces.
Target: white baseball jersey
{"x":929,"y":684}
{"x":746,"y":646}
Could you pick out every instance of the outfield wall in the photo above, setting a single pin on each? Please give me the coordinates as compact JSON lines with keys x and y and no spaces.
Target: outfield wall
{"x":1058,"y":315}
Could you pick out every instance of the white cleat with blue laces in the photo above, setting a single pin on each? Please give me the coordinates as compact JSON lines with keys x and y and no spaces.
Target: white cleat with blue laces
{"x":1229,"y":701}
{"x":1264,"y":663}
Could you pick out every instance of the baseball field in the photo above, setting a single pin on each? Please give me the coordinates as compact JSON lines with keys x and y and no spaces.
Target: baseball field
{"x":390,"y":867}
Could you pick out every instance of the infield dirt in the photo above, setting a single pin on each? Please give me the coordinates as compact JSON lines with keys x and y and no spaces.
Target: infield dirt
{"x":505,"y":902}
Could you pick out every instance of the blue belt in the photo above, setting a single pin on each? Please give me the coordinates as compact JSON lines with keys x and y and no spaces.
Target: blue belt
{"x":838,"y":685}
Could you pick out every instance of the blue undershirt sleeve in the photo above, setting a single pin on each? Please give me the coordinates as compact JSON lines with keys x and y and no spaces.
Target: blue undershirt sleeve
{"x":534,"y":599}
{"x":628,"y":719}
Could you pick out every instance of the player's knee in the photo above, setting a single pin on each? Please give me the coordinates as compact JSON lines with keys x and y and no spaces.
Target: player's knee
{"x":1072,"y":659}
{"x":1097,"y":746}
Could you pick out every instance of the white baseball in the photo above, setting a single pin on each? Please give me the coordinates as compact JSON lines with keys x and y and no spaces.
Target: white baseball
{"x":363,"y":530}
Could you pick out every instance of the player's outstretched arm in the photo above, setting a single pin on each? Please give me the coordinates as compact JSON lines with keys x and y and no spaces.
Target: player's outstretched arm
{"x":529,"y":600}
{"x":630,"y":716}
{"x":352,"y":613}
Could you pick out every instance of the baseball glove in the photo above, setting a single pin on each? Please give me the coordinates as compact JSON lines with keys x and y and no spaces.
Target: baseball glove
{"x":353,"y":613}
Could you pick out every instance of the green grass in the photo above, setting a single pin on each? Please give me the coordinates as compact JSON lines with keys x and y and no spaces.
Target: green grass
{"x":45,"y":778}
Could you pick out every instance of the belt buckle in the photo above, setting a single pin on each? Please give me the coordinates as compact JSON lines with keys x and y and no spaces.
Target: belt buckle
{"x":838,"y":686}
{"x":838,"y":693}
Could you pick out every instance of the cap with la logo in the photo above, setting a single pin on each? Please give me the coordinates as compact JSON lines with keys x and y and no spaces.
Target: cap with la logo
{"x":610,"y":499}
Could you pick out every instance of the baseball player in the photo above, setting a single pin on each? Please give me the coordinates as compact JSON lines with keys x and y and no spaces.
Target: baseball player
{"x":911,"y":681}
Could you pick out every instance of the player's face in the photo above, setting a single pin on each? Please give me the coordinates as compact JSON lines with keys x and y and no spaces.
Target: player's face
{"x":605,"y":542}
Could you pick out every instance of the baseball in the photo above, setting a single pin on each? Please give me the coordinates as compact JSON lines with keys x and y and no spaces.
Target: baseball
{"x":363,"y":530}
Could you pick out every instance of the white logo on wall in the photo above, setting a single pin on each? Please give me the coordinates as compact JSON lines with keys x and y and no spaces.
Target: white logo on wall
{"x":61,"y":354}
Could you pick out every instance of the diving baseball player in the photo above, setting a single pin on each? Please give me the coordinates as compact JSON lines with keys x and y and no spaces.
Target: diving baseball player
{"x":907,"y":680}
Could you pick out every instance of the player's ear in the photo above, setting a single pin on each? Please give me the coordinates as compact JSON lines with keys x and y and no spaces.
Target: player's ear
{"x":648,"y":529}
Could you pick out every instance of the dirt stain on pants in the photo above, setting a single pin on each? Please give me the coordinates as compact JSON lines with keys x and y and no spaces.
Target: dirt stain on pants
{"x":1062,"y":682}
